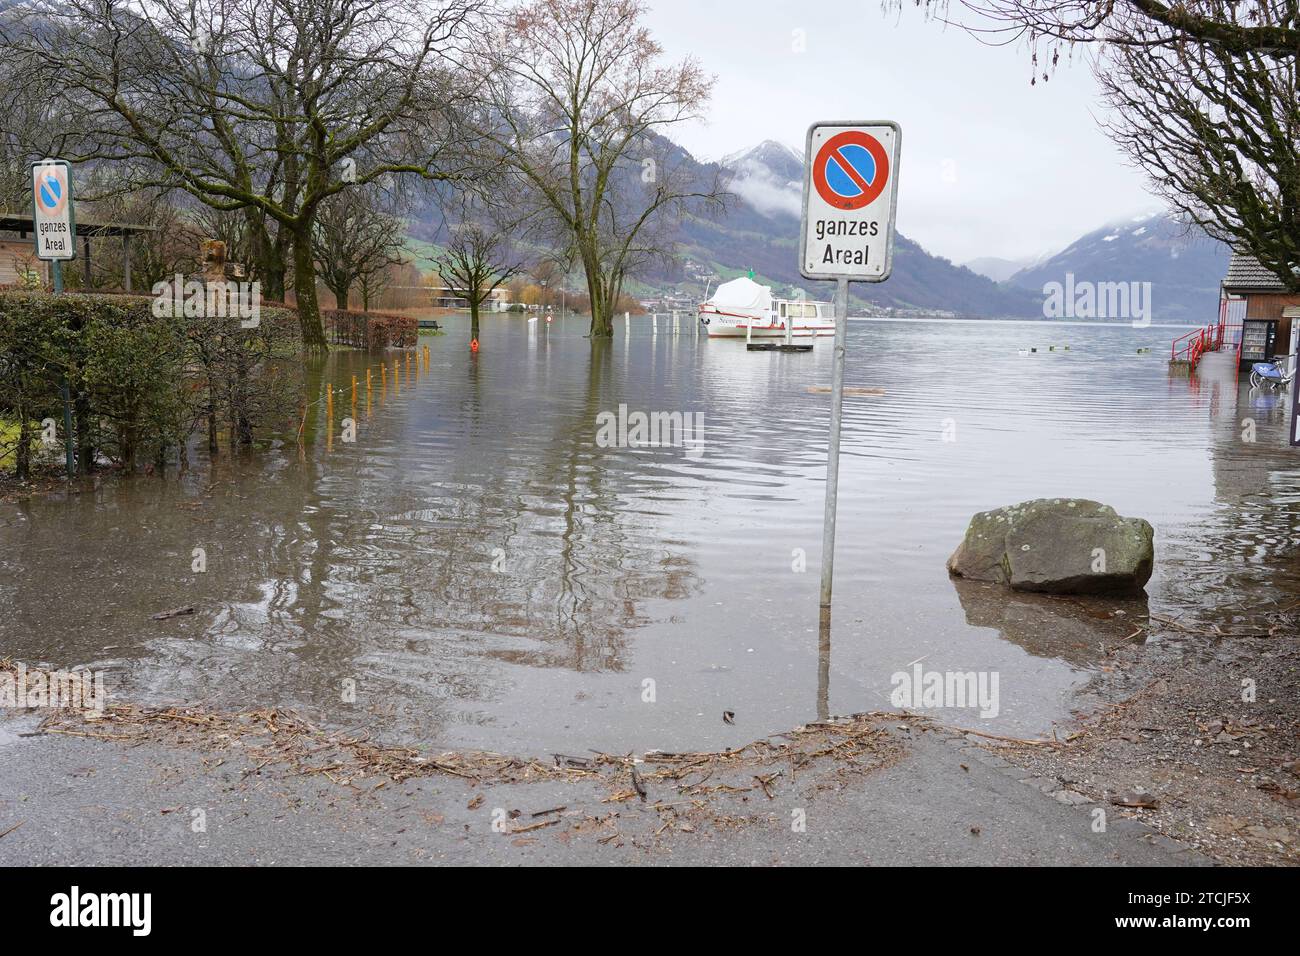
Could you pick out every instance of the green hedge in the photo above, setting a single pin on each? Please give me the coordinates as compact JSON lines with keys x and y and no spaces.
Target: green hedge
{"x":139,"y":384}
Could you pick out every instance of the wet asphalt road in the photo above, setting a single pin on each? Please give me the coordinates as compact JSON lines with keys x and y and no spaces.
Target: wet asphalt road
{"x":78,"y":801}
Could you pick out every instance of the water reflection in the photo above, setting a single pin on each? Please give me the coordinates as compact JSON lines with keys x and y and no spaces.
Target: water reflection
{"x":1080,"y":630}
{"x":489,"y":576}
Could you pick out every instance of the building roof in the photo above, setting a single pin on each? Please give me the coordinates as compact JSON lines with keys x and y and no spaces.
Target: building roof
{"x":1246,"y":274}
{"x":14,"y":222}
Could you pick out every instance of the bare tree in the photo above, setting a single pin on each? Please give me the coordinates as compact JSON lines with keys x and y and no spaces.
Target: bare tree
{"x":577,"y":99}
{"x":477,"y":258}
{"x":1216,"y":133}
{"x":1204,"y":100}
{"x":374,"y":279}
{"x":1233,"y":26}
{"x":355,"y":239}
{"x":267,"y":106}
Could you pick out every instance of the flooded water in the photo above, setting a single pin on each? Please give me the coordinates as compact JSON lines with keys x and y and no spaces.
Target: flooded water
{"x":486,"y":574}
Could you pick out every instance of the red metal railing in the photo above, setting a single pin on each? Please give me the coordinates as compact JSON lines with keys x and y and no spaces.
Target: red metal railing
{"x":1190,"y":347}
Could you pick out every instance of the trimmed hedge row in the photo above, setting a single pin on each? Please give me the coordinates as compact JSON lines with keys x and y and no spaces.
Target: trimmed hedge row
{"x":139,"y":384}
{"x":371,"y":330}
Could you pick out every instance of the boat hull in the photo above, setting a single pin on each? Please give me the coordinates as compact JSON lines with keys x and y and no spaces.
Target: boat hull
{"x":721,"y":325}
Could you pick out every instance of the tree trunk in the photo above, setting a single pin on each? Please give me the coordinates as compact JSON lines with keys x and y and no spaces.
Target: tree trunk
{"x":268,"y":259}
{"x":602,"y":316}
{"x":613,"y":292}
{"x":243,"y":427}
{"x":85,"y":443}
{"x":304,"y":291}
{"x":601,"y":323}
{"x":23,"y":456}
{"x":473,"y":319}
{"x":126,"y":438}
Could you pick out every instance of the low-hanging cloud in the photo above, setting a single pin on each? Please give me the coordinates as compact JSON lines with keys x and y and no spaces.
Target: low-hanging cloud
{"x":755,"y":184}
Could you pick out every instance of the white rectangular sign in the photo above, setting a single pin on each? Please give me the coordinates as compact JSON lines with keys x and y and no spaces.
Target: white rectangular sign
{"x":850,"y":184}
{"x":55,"y":225}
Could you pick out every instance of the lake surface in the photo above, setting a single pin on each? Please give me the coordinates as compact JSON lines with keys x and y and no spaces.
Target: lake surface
{"x":488,"y":575}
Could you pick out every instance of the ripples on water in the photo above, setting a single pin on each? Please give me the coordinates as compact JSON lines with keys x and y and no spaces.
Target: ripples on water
{"x":490,"y":577}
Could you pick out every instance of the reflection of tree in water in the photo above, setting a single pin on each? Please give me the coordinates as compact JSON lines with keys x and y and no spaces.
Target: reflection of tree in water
{"x":398,"y":553}
{"x":575,"y":568}
{"x":373,"y":562}
{"x":605,"y":569}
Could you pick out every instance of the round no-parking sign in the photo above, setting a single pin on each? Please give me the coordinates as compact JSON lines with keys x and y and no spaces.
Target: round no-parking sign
{"x":52,"y":209}
{"x":851,"y":169}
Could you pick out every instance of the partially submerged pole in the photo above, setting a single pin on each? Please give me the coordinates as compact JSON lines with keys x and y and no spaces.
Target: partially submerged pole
{"x":833,"y":448}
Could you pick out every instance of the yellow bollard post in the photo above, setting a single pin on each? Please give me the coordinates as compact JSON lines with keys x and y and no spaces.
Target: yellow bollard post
{"x":354,"y":391}
{"x":329,"y":402}
{"x":367,"y":381}
{"x":383,"y":376}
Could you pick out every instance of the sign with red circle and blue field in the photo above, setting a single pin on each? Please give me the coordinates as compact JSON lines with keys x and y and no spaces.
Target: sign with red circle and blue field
{"x":851,"y":170}
{"x":850,"y":185}
{"x":53,"y":220}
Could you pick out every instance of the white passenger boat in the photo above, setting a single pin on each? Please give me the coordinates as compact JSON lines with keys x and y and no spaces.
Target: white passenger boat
{"x":743,"y":308}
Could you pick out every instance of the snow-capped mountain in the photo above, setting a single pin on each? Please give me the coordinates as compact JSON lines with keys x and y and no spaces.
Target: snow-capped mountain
{"x":1183,"y":267}
{"x":769,"y":177}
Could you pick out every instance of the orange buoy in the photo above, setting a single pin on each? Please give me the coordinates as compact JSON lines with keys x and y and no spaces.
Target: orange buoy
{"x":473,"y":345}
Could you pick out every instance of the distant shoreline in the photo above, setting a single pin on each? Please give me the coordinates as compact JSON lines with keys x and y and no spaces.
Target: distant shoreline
{"x":1122,"y":323}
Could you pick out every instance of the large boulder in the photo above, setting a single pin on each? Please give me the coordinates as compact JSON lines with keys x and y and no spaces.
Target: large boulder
{"x":1058,"y":546}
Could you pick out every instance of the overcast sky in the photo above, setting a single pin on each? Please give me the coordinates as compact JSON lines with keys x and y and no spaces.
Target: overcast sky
{"x":990,"y":165}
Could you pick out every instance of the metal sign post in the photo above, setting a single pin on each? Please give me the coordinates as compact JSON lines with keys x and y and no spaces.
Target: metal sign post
{"x":847,"y":232}
{"x":833,"y":446}
{"x":54,"y":223}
